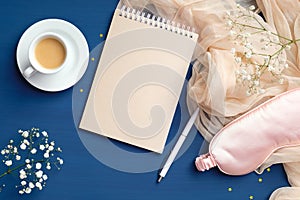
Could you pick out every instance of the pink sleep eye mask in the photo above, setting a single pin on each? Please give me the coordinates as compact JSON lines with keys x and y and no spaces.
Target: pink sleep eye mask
{"x":245,"y":143}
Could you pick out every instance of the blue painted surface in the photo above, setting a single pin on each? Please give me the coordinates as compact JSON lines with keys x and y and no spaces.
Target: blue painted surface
{"x":82,"y":176}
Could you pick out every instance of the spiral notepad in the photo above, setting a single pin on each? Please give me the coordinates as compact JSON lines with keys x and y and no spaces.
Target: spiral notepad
{"x":139,"y":78}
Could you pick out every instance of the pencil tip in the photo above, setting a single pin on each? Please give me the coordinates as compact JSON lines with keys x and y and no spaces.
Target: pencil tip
{"x":159,"y":179}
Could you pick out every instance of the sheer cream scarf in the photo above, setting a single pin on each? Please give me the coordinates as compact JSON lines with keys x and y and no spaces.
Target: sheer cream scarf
{"x":213,"y":86}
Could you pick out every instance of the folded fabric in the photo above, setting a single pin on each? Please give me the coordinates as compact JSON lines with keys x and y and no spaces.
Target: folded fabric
{"x":248,"y":141}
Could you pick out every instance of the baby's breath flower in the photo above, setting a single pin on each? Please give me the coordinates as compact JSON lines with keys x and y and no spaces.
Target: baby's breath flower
{"x":46,"y":155}
{"x":28,"y":190}
{"x":271,"y":68}
{"x":229,"y":23}
{"x":233,"y":50}
{"x":37,"y":155}
{"x":31,"y":185}
{"x":39,"y":174}
{"x":8,"y":163}
{"x":51,"y":148}
{"x":23,"y":183}
{"x":258,"y":52}
{"x":39,"y":185}
{"x":48,"y":167}
{"x":248,"y":45}
{"x":60,"y":160}
{"x":238,"y":59}
{"x":45,"y":177}
{"x":42,"y":147}
{"x":266,"y":59}
{"x":45,"y":134}
{"x":252,"y":7}
{"x":286,"y":66}
{"x":25,"y":134}
{"x":33,"y":151}
{"x":18,"y":157}
{"x":38,"y":165}
{"x":22,"y":172}
{"x":23,"y":176}
{"x":248,"y":54}
{"x":23,"y":146}
{"x":232,"y":33}
{"x":25,"y":141}
{"x":281,"y":81}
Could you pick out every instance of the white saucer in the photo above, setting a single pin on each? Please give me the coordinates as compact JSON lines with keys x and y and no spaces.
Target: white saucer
{"x":79,"y":53}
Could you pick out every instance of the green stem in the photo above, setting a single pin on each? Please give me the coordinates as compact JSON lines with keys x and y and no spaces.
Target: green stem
{"x":282,"y":37}
{"x":263,"y":69}
{"x":277,"y":52}
{"x":18,"y":167}
{"x":257,"y":32}
{"x":5,"y":173}
{"x":259,"y":23}
{"x":277,"y":43}
{"x":282,"y":48}
{"x":249,"y":26}
{"x":260,"y":54}
{"x":265,"y":65}
{"x":263,"y":29}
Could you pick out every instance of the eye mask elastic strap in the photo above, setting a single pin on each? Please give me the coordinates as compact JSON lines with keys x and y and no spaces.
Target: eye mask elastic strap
{"x":205,"y":162}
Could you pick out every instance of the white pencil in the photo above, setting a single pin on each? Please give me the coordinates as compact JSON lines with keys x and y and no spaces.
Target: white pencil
{"x":178,"y":145}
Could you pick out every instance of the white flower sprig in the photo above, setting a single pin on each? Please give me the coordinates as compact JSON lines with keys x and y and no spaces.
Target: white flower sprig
{"x":259,"y":52}
{"x":30,"y":159}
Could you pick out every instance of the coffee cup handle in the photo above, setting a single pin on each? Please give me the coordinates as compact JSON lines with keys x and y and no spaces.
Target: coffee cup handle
{"x":29,"y":71}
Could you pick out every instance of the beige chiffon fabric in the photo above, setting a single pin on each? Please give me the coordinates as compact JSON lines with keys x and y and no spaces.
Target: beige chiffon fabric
{"x":284,"y":16}
{"x":290,"y":157}
{"x":213,"y":86}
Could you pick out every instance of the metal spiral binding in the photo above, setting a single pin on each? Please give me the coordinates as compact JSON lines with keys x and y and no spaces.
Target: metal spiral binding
{"x":157,"y":21}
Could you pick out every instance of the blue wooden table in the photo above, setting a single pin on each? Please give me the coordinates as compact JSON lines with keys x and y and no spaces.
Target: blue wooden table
{"x":82,"y":175}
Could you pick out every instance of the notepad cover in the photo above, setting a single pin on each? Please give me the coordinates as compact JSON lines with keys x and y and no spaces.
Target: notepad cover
{"x":138,"y":82}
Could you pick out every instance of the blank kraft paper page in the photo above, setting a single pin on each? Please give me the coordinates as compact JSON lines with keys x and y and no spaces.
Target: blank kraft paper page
{"x":139,"y":79}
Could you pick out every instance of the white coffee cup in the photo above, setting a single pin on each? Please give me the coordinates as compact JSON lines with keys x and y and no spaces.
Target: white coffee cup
{"x":48,"y":54}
